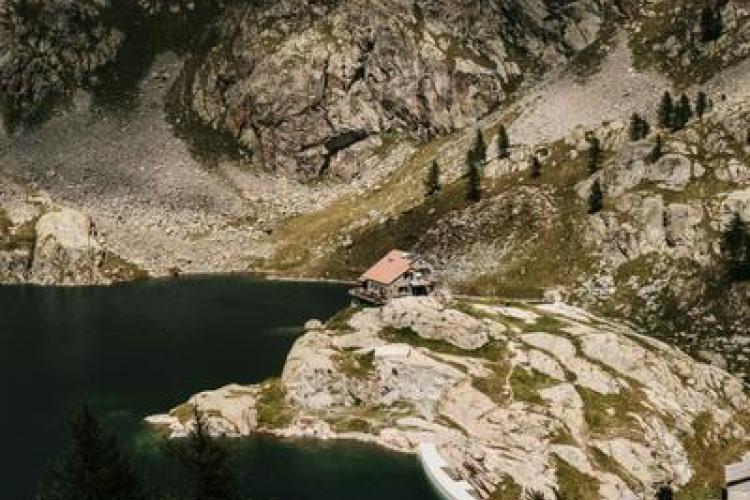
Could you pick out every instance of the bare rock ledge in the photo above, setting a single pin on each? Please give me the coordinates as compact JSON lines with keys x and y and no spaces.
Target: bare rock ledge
{"x":515,"y":398}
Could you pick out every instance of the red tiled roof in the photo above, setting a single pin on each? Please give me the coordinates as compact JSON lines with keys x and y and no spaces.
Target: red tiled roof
{"x":389,"y":268}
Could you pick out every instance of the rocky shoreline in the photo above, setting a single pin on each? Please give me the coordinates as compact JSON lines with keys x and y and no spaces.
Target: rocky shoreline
{"x":516,"y":398}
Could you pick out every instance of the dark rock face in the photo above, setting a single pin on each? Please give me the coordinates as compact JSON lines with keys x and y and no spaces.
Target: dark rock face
{"x":48,"y":47}
{"x":303,"y":84}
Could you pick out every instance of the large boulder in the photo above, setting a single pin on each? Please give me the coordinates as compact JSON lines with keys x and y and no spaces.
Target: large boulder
{"x":67,"y":250}
{"x":430,"y":320}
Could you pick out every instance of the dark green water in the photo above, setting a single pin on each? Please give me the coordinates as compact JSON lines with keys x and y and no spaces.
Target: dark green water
{"x":137,"y":349}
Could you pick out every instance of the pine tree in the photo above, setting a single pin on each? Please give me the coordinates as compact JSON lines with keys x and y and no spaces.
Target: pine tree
{"x":656,"y":152}
{"x":665,"y":493}
{"x":683,"y":112}
{"x":480,"y":148}
{"x":208,"y":463}
{"x":473,"y":178}
{"x":93,"y":468}
{"x":503,"y":143}
{"x":712,"y":24}
{"x":666,"y":111}
{"x":639,"y":128}
{"x":535,"y":167}
{"x":701,"y":104}
{"x":432,"y":183}
{"x":593,"y":154}
{"x":736,"y":249}
{"x":635,"y":127}
{"x":596,"y":197}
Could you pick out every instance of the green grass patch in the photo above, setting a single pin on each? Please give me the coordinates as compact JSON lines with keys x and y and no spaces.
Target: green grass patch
{"x":492,"y":351}
{"x":608,"y":464}
{"x":119,"y":269}
{"x":544,"y":323}
{"x":574,"y":484}
{"x":407,"y":335}
{"x":355,"y":366}
{"x":340,"y":321}
{"x":526,"y":385}
{"x":546,"y":251}
{"x":708,"y":459}
{"x":507,"y":489}
{"x":273,"y":410}
{"x":353,"y":424}
{"x":608,"y":414}
{"x":184,"y":413}
{"x":562,"y":436}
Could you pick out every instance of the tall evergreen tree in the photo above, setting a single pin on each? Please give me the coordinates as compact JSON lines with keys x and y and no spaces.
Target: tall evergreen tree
{"x":666,"y":111}
{"x":208,"y":463}
{"x":656,"y":152}
{"x":736,"y":249}
{"x":712,"y":24}
{"x":535,"y":167}
{"x":93,"y":468}
{"x":503,"y":143}
{"x":635,"y":127}
{"x":596,"y":197}
{"x":701,"y":104}
{"x":639,"y":128}
{"x":664,"y":493}
{"x":432,"y":183}
{"x":683,"y":112}
{"x":473,"y":179}
{"x":594,"y":153}
{"x":480,"y":148}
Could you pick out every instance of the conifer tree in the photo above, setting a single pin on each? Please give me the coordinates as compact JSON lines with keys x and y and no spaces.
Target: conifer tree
{"x":432,"y":183}
{"x":593,"y":154}
{"x":666,"y":111}
{"x":656,"y":152}
{"x":639,"y":128}
{"x":535,"y":167}
{"x":93,"y":468}
{"x":711,"y":23}
{"x":208,"y":463}
{"x":480,"y":148}
{"x":596,"y":197}
{"x":503,"y":143}
{"x":635,"y":127}
{"x":664,"y":493}
{"x":736,"y":249}
{"x":683,"y":113}
{"x":701,"y":104}
{"x":473,"y":178}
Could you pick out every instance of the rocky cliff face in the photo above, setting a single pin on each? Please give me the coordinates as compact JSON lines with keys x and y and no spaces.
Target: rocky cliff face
{"x":323,"y":86}
{"x":517,"y":398}
{"x":47,"y":48}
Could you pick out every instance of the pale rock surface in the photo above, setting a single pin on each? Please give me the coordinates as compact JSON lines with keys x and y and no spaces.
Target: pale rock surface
{"x":431,"y":320}
{"x":406,"y":394}
{"x":67,"y":251}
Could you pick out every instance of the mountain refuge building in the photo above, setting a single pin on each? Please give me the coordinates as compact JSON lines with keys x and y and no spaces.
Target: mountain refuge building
{"x":398,"y":274}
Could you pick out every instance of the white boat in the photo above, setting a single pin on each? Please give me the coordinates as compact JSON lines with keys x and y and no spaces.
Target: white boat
{"x":441,"y":477}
